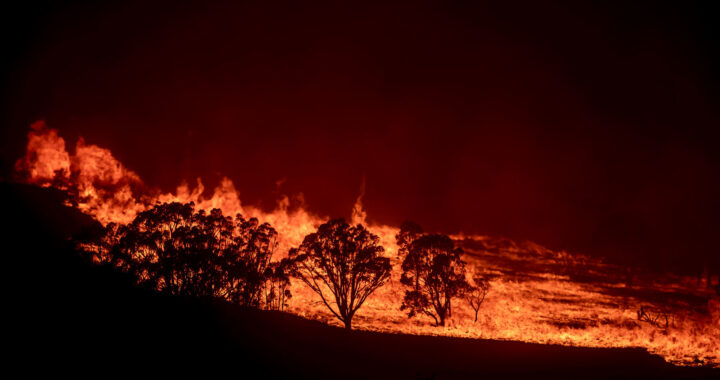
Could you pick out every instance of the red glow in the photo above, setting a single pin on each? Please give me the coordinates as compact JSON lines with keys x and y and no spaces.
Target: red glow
{"x":534,"y":296}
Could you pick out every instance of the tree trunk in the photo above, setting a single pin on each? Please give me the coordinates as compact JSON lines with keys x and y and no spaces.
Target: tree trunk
{"x":441,"y":315}
{"x":348,"y":324}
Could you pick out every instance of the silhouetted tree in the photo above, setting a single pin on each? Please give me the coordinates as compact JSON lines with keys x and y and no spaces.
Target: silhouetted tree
{"x":475,"y":293}
{"x":409,"y":232}
{"x":97,"y":243}
{"x":435,"y":274}
{"x":342,"y":262}
{"x":277,"y":285}
{"x":175,"y":249}
{"x":654,"y":316}
{"x":249,"y":259}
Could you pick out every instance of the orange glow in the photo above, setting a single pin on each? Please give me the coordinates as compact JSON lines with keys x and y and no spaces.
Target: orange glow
{"x":534,"y":294}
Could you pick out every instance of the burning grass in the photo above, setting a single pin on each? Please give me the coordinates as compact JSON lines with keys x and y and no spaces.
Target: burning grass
{"x":537,"y":295}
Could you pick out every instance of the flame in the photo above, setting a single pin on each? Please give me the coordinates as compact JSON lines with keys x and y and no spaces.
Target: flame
{"x":534,"y":297}
{"x":46,"y":156}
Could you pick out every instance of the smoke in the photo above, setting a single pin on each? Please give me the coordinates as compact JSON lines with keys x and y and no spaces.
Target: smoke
{"x":359,"y":216}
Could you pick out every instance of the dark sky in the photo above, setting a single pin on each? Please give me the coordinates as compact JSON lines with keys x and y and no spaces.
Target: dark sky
{"x":589,"y":127}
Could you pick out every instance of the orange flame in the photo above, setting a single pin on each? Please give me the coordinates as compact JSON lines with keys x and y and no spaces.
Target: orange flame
{"x":46,"y":156}
{"x":541,"y":303}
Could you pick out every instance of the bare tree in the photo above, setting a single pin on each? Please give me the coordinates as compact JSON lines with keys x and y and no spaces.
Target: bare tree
{"x":475,"y":294}
{"x":342,"y":264}
{"x":657,"y":317}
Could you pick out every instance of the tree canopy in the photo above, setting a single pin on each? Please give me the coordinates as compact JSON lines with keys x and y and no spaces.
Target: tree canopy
{"x":433,"y":272}
{"x":179,"y":250}
{"x":343,"y":265}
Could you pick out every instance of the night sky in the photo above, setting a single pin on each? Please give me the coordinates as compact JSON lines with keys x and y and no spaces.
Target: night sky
{"x":592,"y":128}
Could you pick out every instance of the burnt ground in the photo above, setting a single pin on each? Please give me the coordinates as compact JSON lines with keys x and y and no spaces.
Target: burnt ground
{"x":66,"y":316}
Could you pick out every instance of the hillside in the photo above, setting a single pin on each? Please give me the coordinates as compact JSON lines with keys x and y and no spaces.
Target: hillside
{"x":69,"y":316}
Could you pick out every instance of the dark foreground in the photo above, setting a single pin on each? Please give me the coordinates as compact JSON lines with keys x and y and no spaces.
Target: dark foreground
{"x":67,"y":316}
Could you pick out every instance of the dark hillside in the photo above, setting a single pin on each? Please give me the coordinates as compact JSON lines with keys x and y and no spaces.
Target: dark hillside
{"x":66,"y":315}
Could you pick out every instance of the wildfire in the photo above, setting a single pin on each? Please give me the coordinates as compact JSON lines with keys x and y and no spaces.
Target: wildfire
{"x":537,"y":295}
